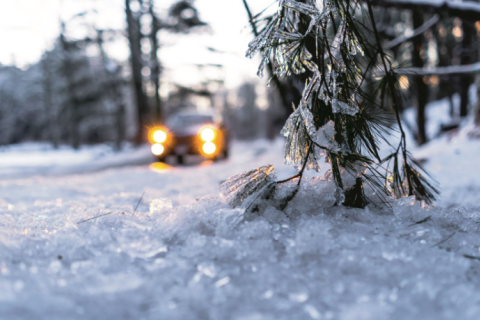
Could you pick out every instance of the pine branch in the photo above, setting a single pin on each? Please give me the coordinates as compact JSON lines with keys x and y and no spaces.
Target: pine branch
{"x":335,"y":116}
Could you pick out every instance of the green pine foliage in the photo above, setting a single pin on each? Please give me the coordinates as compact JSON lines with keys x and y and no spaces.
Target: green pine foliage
{"x":334,"y":47}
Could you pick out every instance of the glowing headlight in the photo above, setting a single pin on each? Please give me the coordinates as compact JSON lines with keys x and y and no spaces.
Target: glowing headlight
{"x":209,"y":148}
{"x":157,"y":149}
{"x":159,"y":136}
{"x":207,"y":134}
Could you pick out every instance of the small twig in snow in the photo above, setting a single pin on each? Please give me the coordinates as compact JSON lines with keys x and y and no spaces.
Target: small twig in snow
{"x":471,"y":257}
{"x":101,"y":215}
{"x":300,"y":174}
{"x":421,"y":221}
{"x":138,"y":203}
{"x":444,"y":240}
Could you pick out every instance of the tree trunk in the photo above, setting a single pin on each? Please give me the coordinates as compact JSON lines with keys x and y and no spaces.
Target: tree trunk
{"x":466,"y":58}
{"x":134,"y":38}
{"x":48,"y":104}
{"x":155,"y":71}
{"x":445,"y":48}
{"x":74,"y":119}
{"x":420,"y":87}
{"x":113,"y":82}
{"x":477,"y":107}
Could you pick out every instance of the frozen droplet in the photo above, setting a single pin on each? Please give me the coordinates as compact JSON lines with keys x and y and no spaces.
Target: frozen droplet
{"x":312,"y":311}
{"x":208,"y":269}
{"x":54,"y":267}
{"x":222,"y":282}
{"x":158,"y":206}
{"x":298,"y":297}
{"x":267,"y":294}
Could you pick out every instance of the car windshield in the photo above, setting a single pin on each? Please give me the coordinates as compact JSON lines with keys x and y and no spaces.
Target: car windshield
{"x":189,"y":120}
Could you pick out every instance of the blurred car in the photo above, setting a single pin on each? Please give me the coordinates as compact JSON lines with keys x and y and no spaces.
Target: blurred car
{"x":190,"y":133}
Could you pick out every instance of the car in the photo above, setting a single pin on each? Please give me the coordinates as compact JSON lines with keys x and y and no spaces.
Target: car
{"x":190,"y":133}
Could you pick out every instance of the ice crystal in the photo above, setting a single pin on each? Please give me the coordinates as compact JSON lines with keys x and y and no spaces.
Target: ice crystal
{"x":160,"y":205}
{"x":297,"y":144}
{"x":325,"y":137}
{"x":344,"y":108}
{"x":336,"y":46}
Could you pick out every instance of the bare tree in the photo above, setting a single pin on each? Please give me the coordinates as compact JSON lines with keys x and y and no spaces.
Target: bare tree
{"x":48,"y":103}
{"x":134,"y":39}
{"x":74,"y":117}
{"x":113,"y":86}
{"x":420,"y":87}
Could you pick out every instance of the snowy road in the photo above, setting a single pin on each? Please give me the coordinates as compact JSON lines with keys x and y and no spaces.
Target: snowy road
{"x":189,"y":256}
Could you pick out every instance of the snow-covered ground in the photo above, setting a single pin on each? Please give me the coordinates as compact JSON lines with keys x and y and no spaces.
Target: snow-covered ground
{"x":27,"y":159}
{"x":72,"y":247}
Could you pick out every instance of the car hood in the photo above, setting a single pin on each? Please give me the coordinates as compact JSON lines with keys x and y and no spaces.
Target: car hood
{"x":186,"y":132}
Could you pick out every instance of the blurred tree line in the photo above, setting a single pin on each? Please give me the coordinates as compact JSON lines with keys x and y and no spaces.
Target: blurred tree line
{"x":435,"y":46}
{"x":77,"y":94}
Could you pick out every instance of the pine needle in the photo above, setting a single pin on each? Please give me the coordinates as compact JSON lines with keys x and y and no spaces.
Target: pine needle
{"x":444,"y":240}
{"x":138,"y":203}
{"x":101,"y":215}
{"x":421,"y":221}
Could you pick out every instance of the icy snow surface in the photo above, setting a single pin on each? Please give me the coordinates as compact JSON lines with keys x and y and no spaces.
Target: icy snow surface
{"x":71,"y":246}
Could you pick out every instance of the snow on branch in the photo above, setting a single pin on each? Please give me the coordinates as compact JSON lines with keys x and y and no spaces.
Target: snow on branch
{"x":467,"y":10}
{"x":440,"y":71}
{"x":424,"y":27}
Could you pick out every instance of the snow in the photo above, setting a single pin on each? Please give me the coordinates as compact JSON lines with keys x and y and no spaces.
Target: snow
{"x":25,"y":159}
{"x":74,"y":244}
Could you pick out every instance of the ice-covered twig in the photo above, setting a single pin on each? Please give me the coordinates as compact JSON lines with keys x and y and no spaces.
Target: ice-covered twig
{"x":466,"y":10}
{"x":439,"y":71}
{"x":300,"y":174}
{"x":424,"y":27}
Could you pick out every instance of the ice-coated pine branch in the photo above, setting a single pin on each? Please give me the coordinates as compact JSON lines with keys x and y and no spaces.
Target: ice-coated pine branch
{"x":328,"y":44}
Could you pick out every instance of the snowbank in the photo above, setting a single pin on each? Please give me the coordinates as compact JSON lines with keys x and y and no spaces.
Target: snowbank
{"x":207,"y":260}
{"x":34,"y":158}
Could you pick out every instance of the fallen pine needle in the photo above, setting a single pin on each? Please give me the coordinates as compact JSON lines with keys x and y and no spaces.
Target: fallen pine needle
{"x":421,"y":221}
{"x":101,"y":215}
{"x":444,"y":240}
{"x":471,"y":257}
{"x":138,"y":203}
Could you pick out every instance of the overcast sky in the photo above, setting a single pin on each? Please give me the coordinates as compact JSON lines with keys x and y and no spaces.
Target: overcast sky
{"x":28,"y":27}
